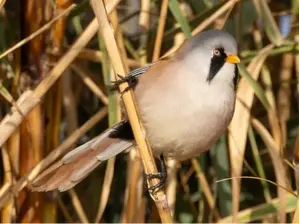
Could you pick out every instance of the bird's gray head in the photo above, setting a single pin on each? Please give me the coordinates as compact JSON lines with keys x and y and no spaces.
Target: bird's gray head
{"x":214,"y":54}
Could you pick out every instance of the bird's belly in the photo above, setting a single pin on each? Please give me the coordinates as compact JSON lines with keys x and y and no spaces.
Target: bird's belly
{"x":179,"y":132}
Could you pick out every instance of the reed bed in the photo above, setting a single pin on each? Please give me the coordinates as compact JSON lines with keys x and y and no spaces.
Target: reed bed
{"x":58,"y":59}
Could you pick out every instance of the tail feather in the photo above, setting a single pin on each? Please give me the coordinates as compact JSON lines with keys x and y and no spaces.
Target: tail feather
{"x":78,"y":163}
{"x":79,"y":151}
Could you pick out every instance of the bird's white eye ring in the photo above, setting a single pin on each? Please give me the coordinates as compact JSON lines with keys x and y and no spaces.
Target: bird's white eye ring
{"x":216,"y":52}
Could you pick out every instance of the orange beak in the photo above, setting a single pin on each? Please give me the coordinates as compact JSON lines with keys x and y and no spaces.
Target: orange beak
{"x":233,"y":59}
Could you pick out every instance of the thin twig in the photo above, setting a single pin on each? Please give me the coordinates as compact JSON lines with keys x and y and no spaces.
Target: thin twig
{"x":258,"y":178}
{"x":78,"y":206}
{"x":64,"y":210}
{"x":90,"y":83}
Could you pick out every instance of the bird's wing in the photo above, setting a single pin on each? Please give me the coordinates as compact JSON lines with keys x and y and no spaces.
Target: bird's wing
{"x":78,"y":163}
{"x":139,"y":71}
{"x":135,"y":75}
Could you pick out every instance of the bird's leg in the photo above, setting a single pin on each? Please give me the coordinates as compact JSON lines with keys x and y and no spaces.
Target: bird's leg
{"x":131,"y":80}
{"x":162,"y":176}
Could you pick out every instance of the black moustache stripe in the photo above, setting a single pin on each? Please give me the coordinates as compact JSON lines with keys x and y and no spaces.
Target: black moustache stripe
{"x":236,"y":76}
{"x":216,"y":63}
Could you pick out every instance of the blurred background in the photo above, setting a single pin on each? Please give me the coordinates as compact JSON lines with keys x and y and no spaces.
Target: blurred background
{"x":249,"y":175}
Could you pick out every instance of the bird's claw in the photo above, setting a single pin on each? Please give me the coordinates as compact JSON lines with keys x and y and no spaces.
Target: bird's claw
{"x":131,"y":80}
{"x":162,"y":176}
{"x":160,"y":184}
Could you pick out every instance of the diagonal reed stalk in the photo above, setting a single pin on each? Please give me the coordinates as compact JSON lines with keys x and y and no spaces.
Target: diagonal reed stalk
{"x":139,"y":132}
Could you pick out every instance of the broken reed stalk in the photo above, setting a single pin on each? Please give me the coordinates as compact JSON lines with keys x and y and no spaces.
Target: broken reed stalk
{"x":12,"y":120}
{"x":158,"y":196}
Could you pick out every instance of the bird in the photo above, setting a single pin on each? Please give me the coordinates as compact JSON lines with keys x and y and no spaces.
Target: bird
{"x":186,"y":103}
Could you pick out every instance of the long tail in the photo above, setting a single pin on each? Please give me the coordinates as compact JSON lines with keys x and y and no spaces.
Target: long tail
{"x":78,"y":163}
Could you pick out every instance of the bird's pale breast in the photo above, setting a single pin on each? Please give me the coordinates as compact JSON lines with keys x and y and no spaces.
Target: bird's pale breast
{"x":182,"y":122}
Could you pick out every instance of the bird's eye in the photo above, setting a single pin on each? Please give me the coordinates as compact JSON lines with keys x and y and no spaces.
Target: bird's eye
{"x":216,"y":52}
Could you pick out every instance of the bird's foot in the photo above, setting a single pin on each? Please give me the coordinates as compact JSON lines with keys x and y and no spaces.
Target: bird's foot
{"x":131,"y":81}
{"x":162,"y":176}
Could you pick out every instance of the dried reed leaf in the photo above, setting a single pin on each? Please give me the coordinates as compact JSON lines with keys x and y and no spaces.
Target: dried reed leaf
{"x":239,"y":125}
{"x":257,"y":88}
{"x":277,"y":163}
{"x":272,"y":112}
